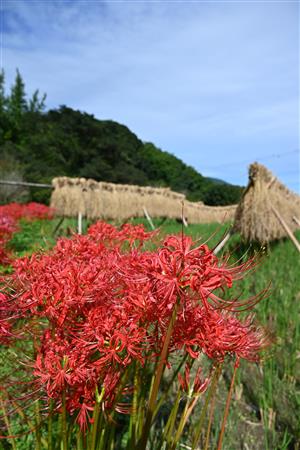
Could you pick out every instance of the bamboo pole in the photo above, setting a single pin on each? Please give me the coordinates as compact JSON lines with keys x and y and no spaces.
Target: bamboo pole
{"x":297,"y":221}
{"x":286,"y":228}
{"x":58,"y":225}
{"x":184,"y":221}
{"x":79,"y":227}
{"x":25,"y":183}
{"x":148,"y":218}
{"x":222,"y":243}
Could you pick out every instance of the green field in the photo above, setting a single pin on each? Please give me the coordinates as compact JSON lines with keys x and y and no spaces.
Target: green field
{"x":265,"y":409}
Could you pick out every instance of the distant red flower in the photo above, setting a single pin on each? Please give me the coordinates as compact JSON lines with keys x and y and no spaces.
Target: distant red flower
{"x":10,"y":215}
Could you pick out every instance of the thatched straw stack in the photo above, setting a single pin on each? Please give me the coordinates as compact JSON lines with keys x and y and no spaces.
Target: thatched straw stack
{"x":200,"y":213}
{"x":255,"y":219}
{"x":67,"y":195}
{"x":100,"y":200}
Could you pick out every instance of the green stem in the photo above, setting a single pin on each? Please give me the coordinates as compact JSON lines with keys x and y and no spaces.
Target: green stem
{"x":211,"y":414}
{"x":190,"y":405}
{"x":133,"y":417}
{"x":38,"y":426}
{"x":101,"y":433}
{"x":50,"y":426}
{"x":110,"y":441}
{"x":64,"y":432}
{"x":79,"y":445}
{"x":172,"y":418}
{"x":7,"y":423}
{"x":158,"y":375}
{"x":210,"y":393}
{"x":96,"y":413}
{"x":166,"y":392}
{"x":84,"y":441}
{"x":227,"y":408}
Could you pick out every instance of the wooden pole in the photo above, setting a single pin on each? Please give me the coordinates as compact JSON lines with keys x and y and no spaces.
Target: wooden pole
{"x":286,"y":228}
{"x":148,"y":218}
{"x":184,"y":221}
{"x":297,"y":221}
{"x":24,"y":183}
{"x":58,"y":225}
{"x":79,"y":223}
{"x":222,"y":243}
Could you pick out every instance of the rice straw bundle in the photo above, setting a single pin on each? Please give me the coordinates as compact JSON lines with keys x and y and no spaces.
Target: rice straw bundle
{"x":101,"y":200}
{"x":255,"y":219}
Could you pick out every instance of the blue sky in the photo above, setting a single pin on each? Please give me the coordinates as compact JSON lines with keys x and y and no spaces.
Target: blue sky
{"x":215,"y":83}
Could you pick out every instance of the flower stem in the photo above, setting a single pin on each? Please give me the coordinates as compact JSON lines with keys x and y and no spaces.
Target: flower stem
{"x":133,"y":417}
{"x":211,"y":414}
{"x":110,"y":444}
{"x":96,"y":413}
{"x":157,"y":378}
{"x":64,"y":433}
{"x":165,"y":394}
{"x":190,"y":405}
{"x":7,"y":423}
{"x":79,"y":437}
{"x":227,"y":407}
{"x":167,"y":435}
{"x":38,"y":425}
{"x":96,"y":416}
{"x":49,"y":440}
{"x":211,"y":392}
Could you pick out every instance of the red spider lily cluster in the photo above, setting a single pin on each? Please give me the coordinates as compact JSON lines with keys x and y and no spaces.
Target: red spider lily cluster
{"x":10,"y":215}
{"x":29,"y":211}
{"x":99,"y":303}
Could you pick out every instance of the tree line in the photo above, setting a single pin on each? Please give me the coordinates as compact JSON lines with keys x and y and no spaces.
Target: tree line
{"x":37,"y":145}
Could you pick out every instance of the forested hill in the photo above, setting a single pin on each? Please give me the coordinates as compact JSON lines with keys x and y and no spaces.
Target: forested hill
{"x":38,"y":146}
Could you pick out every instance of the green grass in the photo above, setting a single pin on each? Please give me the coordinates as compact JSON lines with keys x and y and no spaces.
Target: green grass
{"x":266,"y":406}
{"x":272,"y":390}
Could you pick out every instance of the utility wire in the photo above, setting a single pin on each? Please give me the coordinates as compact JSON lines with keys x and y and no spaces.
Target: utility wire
{"x":270,"y":156}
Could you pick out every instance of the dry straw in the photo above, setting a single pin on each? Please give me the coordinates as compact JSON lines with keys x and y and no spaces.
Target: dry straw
{"x":255,"y":219}
{"x":100,"y":200}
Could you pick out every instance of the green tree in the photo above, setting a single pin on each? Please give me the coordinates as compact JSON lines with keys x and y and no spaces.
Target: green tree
{"x":11,"y":170}
{"x":37,"y":104}
{"x":221,"y":194}
{"x":17,"y":103}
{"x":3,"y":99}
{"x":4,"y":119}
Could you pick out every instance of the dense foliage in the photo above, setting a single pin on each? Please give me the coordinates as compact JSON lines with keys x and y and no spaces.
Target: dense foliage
{"x":38,"y":146}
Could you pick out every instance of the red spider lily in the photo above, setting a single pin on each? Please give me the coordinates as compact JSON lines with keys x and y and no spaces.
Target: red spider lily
{"x":10,"y":215}
{"x":198,"y":386}
{"x":30,"y":211}
{"x":83,"y":416}
{"x":100,"y":304}
{"x":104,"y":232}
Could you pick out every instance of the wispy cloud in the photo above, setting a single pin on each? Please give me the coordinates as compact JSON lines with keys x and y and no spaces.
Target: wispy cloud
{"x":207,"y":81}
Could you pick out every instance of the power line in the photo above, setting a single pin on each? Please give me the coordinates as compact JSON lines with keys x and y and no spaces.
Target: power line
{"x":270,"y":156}
{"x":291,"y":172}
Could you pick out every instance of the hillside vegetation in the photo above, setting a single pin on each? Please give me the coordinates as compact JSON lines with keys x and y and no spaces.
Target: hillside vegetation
{"x":37,"y":145}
